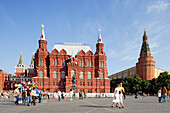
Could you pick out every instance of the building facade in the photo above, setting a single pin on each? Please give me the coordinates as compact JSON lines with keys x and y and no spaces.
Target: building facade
{"x":131,"y":72}
{"x":68,"y":62}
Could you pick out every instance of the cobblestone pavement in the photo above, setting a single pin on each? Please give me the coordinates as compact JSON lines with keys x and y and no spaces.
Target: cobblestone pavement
{"x":89,"y":105}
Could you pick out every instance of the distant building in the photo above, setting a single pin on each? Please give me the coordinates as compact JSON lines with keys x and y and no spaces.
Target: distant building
{"x":3,"y":78}
{"x":131,"y":72}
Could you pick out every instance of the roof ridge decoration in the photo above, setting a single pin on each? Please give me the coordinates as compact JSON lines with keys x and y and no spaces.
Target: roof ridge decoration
{"x":99,"y":37}
{"x":42,"y":32}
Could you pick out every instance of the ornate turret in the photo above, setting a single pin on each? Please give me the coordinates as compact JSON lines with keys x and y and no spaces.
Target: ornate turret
{"x":145,"y":46}
{"x":145,"y":67}
{"x":99,"y":45}
{"x":32,"y":60}
{"x":21,"y":61}
{"x":20,"y":69}
{"x":42,"y":41}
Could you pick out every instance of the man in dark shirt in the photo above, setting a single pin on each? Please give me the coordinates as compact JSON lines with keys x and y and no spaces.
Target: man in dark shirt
{"x":28,"y":96}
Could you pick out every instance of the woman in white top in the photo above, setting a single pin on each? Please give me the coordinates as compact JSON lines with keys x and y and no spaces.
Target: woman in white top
{"x":116,"y":97}
{"x":159,"y":95}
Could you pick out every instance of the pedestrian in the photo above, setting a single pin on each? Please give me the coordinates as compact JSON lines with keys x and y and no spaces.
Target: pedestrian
{"x":28,"y":99}
{"x":71,"y":94}
{"x":24,"y":96}
{"x":33,"y":96}
{"x":2,"y":95}
{"x":59,"y":95}
{"x":82,"y":94}
{"x":160,"y":95}
{"x":63,"y":95}
{"x":79,"y":95}
{"x":122,"y":90}
{"x":164,"y":94}
{"x":16,"y":95}
{"x":40,"y":96}
{"x":116,"y":97}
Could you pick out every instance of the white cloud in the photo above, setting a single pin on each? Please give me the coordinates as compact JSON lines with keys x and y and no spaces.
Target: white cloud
{"x":155,"y":52}
{"x":154,"y":45}
{"x":158,"y":6}
{"x":128,"y":58}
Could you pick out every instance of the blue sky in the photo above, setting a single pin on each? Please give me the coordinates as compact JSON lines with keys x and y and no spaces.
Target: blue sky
{"x":122,"y":25}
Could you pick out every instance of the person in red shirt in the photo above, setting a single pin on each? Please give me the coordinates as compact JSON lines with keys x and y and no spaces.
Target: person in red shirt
{"x":164,"y":94}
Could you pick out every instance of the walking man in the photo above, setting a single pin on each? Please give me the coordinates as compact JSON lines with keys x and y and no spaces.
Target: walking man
{"x":122,"y":90}
{"x":59,"y":95}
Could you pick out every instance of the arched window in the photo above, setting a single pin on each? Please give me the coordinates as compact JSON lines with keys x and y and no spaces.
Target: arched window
{"x":83,"y":63}
{"x":80,"y":62}
{"x":54,"y":74}
{"x":56,"y":62}
{"x":62,"y":75}
{"x":90,"y":64}
{"x":73,"y":73}
{"x":87,"y":63}
{"x":81,"y":75}
{"x":40,"y":62}
{"x":53,"y":62}
{"x":89,"y":75}
{"x":101,"y":75}
{"x":41,"y":74}
{"x":61,"y":62}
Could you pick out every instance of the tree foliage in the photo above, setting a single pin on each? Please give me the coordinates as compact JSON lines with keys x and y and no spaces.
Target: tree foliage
{"x":135,"y":84}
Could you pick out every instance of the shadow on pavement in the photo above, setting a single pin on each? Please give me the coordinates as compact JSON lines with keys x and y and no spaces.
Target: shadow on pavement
{"x":94,"y":106}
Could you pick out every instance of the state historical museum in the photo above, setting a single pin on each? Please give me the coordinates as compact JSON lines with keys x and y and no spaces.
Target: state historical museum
{"x":68,"y":61}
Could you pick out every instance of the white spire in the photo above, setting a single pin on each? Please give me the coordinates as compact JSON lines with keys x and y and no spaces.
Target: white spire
{"x":99,"y":37}
{"x":42,"y":33}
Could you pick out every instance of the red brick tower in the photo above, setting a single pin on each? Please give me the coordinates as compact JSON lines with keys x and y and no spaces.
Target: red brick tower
{"x":41,"y":63}
{"x":101,"y":73}
{"x":145,"y":67}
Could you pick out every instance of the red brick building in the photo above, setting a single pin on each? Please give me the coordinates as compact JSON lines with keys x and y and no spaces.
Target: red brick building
{"x":57,"y":69}
{"x":3,"y":78}
{"x":145,"y":67}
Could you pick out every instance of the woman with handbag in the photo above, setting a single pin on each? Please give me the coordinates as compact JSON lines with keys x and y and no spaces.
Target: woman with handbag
{"x":16,"y":95}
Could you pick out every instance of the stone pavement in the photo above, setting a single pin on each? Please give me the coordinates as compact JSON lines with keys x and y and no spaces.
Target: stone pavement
{"x":89,"y":105}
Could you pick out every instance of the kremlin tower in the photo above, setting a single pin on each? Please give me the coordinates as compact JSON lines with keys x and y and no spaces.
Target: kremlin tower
{"x":145,"y":67}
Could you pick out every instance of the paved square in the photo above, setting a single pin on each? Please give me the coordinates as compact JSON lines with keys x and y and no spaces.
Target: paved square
{"x":89,"y":105}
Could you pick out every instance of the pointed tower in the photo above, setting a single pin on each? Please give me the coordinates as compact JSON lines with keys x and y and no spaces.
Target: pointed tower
{"x":101,"y":73}
{"x":145,"y":67}
{"x":31,"y":70}
{"x":41,"y":59}
{"x":20,"y":69}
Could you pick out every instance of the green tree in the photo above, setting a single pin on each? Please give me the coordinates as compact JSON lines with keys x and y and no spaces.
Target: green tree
{"x":153,"y":87}
{"x":145,"y":86}
{"x":137,"y":81}
{"x":163,"y":80}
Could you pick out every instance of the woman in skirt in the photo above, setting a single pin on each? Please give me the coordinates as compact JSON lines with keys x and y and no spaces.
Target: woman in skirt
{"x":116,"y":97}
